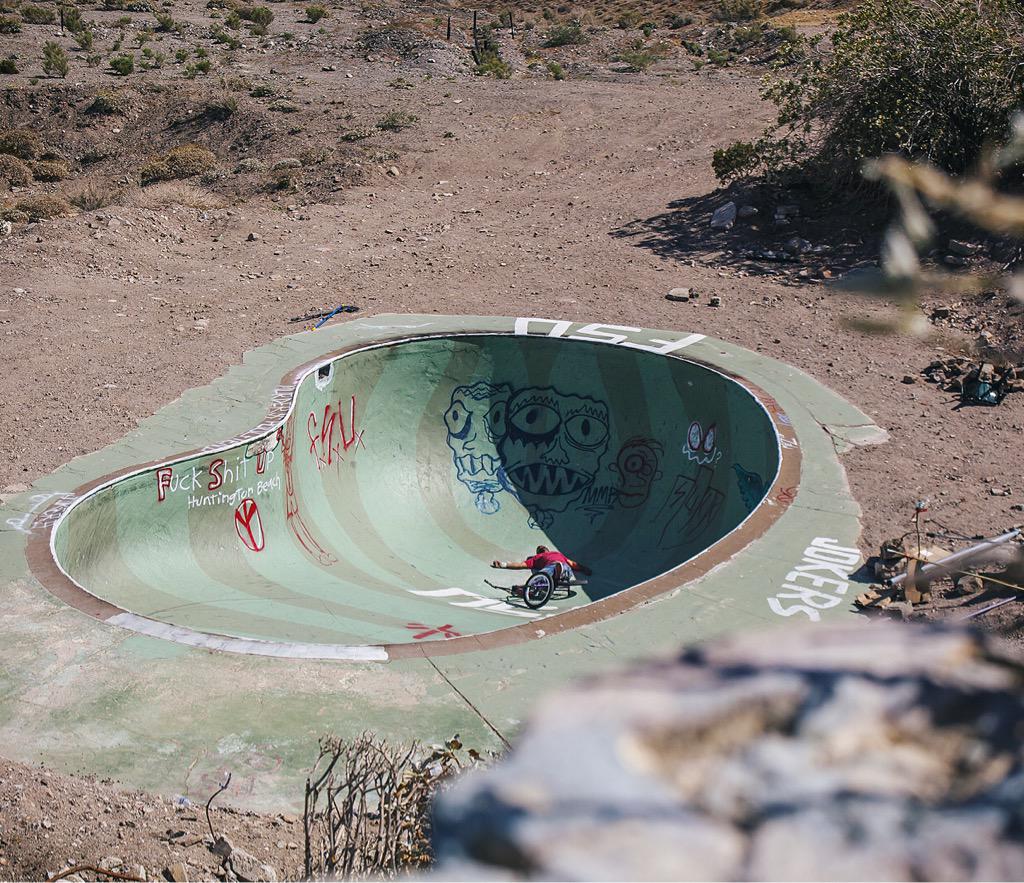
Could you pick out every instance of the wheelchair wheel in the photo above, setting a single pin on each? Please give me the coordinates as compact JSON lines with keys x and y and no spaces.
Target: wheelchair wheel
{"x":538,"y":591}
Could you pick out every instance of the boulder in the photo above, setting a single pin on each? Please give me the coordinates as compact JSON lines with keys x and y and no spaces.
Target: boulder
{"x":887,"y":751}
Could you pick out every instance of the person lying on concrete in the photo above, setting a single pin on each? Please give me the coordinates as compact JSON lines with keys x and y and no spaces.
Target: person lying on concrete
{"x":554,"y":564}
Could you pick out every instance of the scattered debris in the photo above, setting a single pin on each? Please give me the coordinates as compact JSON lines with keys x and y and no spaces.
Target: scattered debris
{"x":177,"y":873}
{"x":344,"y":308}
{"x":963,"y":249}
{"x":977,"y":384}
{"x":906,"y":578}
{"x":320,"y":314}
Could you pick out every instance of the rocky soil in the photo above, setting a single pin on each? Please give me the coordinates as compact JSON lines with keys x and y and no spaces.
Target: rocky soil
{"x":51,"y":823}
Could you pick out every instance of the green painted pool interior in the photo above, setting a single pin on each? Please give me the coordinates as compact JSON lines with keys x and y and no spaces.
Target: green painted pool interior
{"x":406,"y":468}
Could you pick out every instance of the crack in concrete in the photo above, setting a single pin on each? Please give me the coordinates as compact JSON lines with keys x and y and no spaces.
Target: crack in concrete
{"x":465,"y":699}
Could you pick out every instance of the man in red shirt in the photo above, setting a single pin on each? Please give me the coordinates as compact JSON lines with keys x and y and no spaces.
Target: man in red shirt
{"x":555,"y":564}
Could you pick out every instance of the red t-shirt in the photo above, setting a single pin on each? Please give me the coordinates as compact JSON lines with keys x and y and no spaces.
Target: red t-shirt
{"x":544,"y":559}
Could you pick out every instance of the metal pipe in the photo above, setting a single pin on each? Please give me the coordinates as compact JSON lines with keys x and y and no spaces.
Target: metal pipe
{"x":987,"y":608}
{"x":939,"y":569}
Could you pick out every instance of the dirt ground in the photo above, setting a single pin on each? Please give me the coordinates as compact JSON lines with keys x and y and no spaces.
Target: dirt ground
{"x":586,"y":198}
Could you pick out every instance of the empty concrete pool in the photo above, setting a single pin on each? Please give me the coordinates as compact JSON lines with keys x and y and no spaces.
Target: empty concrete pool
{"x":394,"y":472}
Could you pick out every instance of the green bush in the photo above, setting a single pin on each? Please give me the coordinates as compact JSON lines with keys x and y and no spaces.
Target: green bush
{"x":739,"y":10}
{"x":629,"y":20}
{"x":37,"y":15}
{"x":122,"y":65}
{"x":260,"y":17}
{"x":72,"y":18}
{"x":933,"y":82}
{"x":197,"y":67}
{"x":639,"y":56}
{"x":164,"y":21}
{"x":9,"y":25}
{"x":85,"y":39}
{"x":494,"y":66}
{"x":677,"y":21}
{"x":568,"y":34}
{"x":8,"y":66}
{"x":152,"y":59}
{"x":107,"y":103}
{"x":221,"y":108}
{"x":396,"y":120}
{"x":556,"y":71}
{"x":55,"y":60}
{"x":315,"y":13}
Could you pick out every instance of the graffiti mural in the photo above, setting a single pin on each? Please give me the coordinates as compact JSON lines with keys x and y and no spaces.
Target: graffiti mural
{"x":537,"y":443}
{"x":689,"y":509}
{"x":249,"y":525}
{"x":476,"y":419}
{"x":552,"y":448}
{"x":752,"y":487}
{"x":293,"y":516}
{"x":702,"y":445}
{"x":637,"y":467}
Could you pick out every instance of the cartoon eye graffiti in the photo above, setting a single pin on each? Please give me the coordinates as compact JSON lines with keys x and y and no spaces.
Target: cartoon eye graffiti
{"x":634,"y":464}
{"x":496,"y":419}
{"x":459,"y":420}
{"x":586,"y":432}
{"x":535,"y":421}
{"x":695,"y":436}
{"x":701,"y":445}
{"x":709,"y":439}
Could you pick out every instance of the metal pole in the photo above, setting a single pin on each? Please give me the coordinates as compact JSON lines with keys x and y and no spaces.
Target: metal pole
{"x":939,"y":569}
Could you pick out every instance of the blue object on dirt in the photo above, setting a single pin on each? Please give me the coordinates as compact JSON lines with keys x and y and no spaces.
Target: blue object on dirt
{"x":344,"y":308}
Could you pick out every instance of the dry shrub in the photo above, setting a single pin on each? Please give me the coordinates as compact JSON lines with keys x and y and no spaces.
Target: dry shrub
{"x":367,"y":809}
{"x":22,"y":143}
{"x":50,"y":170}
{"x":93,"y":196}
{"x":14,"y":172}
{"x":185,"y":161}
{"x":108,"y":102}
{"x":169,"y":193}
{"x":40,"y":207}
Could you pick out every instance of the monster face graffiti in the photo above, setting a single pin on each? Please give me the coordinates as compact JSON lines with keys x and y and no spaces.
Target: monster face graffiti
{"x":476,"y":419}
{"x":552,"y":449}
{"x":541,"y":445}
{"x":637,"y":468}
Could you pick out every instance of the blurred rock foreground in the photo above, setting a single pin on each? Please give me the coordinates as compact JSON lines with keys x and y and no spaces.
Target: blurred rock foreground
{"x":860,"y":752}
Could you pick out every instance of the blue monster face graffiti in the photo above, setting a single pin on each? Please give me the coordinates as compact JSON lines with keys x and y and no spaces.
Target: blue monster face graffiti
{"x":476,"y":420}
{"x":552,"y":448}
{"x":751,"y":484}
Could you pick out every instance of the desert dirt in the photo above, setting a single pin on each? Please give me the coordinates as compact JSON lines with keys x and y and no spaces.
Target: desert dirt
{"x":587,"y":198}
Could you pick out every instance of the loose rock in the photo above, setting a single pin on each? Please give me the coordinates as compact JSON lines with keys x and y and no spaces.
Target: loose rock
{"x":724,"y":216}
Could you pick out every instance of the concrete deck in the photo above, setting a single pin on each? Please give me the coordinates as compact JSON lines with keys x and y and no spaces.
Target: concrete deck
{"x":161,"y":629}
